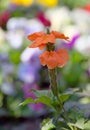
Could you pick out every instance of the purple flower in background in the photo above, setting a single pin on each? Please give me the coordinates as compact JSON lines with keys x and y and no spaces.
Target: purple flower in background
{"x":29,"y":70}
{"x":12,"y":7}
{"x":6,"y":65}
{"x":28,"y":53}
{"x":28,"y":93}
{"x":70,"y":45}
{"x":88,"y":72}
{"x":27,"y":73}
{"x":3,"y":57}
{"x":35,"y":62}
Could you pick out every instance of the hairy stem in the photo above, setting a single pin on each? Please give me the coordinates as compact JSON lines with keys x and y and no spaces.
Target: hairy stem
{"x":53,"y":81}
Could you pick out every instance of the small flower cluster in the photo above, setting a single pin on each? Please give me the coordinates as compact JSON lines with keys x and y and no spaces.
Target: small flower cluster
{"x":50,"y":57}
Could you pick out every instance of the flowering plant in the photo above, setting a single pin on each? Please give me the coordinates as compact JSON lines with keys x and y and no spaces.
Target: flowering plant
{"x":53,"y":58}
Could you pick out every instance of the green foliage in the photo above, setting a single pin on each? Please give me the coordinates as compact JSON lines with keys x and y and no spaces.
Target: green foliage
{"x":47,"y":98}
{"x":27,"y":101}
{"x":4,"y":5}
{"x":43,"y":99}
{"x":65,"y":96}
{"x":75,"y":113}
{"x":87,"y":125}
{"x":15,"y":57}
{"x":74,"y":3}
{"x":79,"y":124}
{"x":40,"y":93}
{"x":72,"y":74}
{"x":47,"y":124}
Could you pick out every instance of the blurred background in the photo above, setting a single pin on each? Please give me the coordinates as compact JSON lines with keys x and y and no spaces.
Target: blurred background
{"x":20,"y":69}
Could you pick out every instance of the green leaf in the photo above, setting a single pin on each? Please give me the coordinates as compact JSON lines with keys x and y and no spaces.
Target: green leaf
{"x":79,"y":124}
{"x":48,"y":125}
{"x":15,"y":57}
{"x":70,"y":125}
{"x":45,"y":100}
{"x":87,"y":125}
{"x":65,"y":96}
{"x":45,"y":121}
{"x":27,"y":101}
{"x":64,"y":129}
{"x":40,"y":93}
{"x":55,"y":103}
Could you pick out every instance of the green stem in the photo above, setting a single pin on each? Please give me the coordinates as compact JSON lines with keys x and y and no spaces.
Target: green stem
{"x":75,"y":128}
{"x":53,"y":81}
{"x":54,"y":88}
{"x":53,"y":78}
{"x":52,"y":72}
{"x":65,"y":113}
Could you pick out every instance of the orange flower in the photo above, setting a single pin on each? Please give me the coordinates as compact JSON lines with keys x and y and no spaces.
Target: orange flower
{"x":54,"y":58}
{"x":60,"y":35}
{"x":63,"y":57}
{"x":41,"y":39}
{"x":36,"y":35}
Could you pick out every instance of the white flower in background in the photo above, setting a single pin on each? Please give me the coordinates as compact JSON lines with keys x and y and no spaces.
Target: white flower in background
{"x":16,"y":23}
{"x":28,"y":53}
{"x":83,"y":45}
{"x":27,"y":25}
{"x":82,"y":19}
{"x":33,"y":25}
{"x":80,"y":15}
{"x":71,"y":30}
{"x":7,"y":88}
{"x":59,"y":17}
{"x":2,"y":36}
{"x":15,"y":38}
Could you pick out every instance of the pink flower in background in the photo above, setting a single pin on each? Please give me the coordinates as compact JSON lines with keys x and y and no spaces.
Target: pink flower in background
{"x":87,"y":8}
{"x":28,"y":93}
{"x":41,"y":16}
{"x":4,"y":18}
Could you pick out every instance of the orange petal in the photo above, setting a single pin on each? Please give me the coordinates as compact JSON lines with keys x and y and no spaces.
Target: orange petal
{"x":33,"y":45}
{"x":60,"y":35}
{"x":43,"y":57}
{"x":41,"y":41}
{"x":35,"y":35}
{"x":63,"y":57}
{"x":48,"y":38}
{"x":49,"y":59}
{"x":42,"y":46}
{"x":52,"y":61}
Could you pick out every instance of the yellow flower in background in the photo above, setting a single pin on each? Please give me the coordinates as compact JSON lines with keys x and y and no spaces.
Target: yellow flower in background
{"x":49,"y":3}
{"x":22,"y":2}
